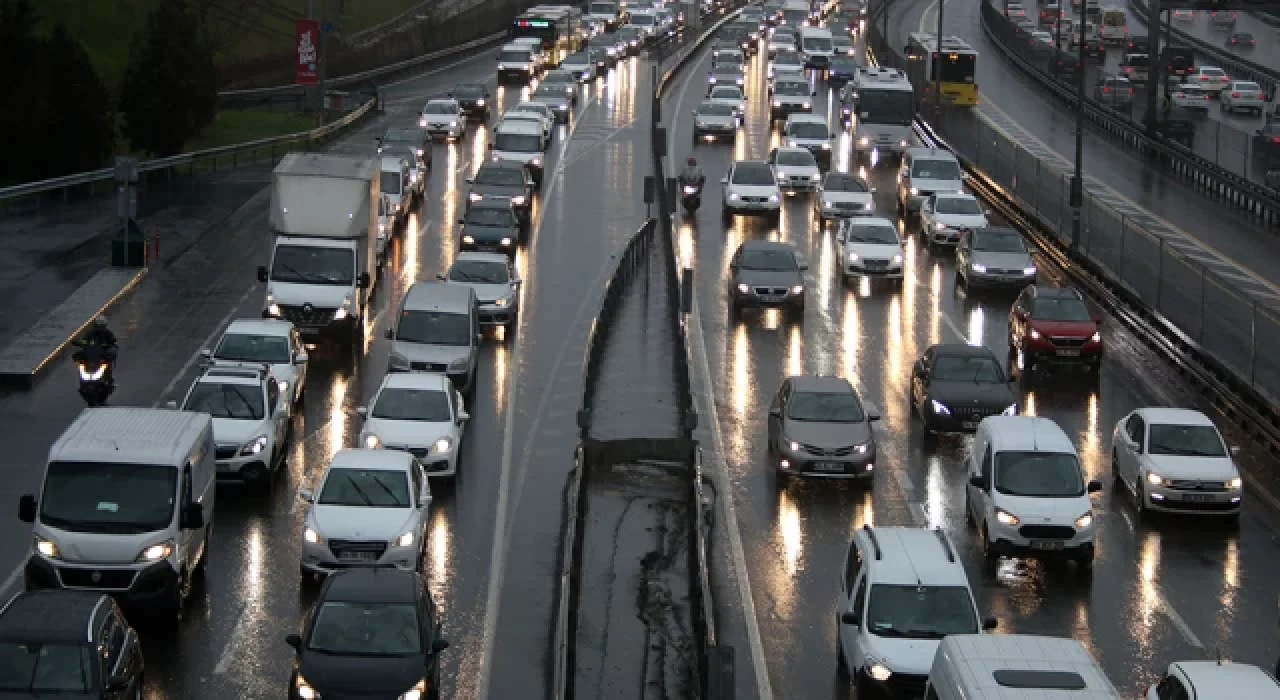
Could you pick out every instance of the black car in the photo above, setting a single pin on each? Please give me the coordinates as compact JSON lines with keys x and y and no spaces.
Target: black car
{"x":374,"y":632}
{"x":1095,"y":50}
{"x":766,"y":275}
{"x":1178,"y":60}
{"x":954,"y":386}
{"x":1137,"y":43}
{"x":67,"y":644}
{"x":1266,"y":144}
{"x":1178,"y":125}
{"x":503,"y":180}
{"x":492,"y":226}
{"x":474,"y":99}
{"x":1242,"y":40}
{"x":841,"y":71}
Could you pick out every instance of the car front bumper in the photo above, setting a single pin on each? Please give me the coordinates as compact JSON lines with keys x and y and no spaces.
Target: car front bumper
{"x":492,"y":315}
{"x":319,"y":559}
{"x":752,"y":300}
{"x":753,"y":208}
{"x":1226,"y":502}
{"x":146,"y":588}
{"x":987,"y":280}
{"x":1013,"y":540}
{"x":802,"y":462}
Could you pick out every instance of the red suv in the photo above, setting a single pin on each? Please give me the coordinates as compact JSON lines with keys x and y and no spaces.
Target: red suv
{"x":1053,"y":326}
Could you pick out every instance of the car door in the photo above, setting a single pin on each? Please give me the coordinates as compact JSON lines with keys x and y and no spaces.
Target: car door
{"x":278,"y":410}
{"x":964,"y":254}
{"x":300,"y":362}
{"x":776,"y":408}
{"x":121,"y":657}
{"x":850,"y":635}
{"x":848,"y":587}
{"x":979,"y":497}
{"x":920,"y":378}
{"x":733,"y":272}
{"x":422,"y":501}
{"x":1130,"y":453}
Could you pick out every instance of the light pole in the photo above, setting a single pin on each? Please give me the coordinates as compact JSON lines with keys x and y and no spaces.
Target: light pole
{"x":937,"y":66}
{"x":1077,"y":179}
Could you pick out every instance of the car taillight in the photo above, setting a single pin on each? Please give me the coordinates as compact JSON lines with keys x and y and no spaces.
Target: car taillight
{"x":1235,"y":94}
{"x":1204,"y":78}
{"x":1128,"y":69}
{"x":1275,"y":139}
{"x":1106,"y":90}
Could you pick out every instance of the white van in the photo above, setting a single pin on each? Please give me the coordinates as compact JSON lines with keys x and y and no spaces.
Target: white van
{"x":396,"y":185}
{"x":902,"y":590}
{"x":516,"y":63}
{"x":816,"y":47}
{"x":1026,"y":491}
{"x":1015,"y":667}
{"x":126,"y":507}
{"x":521,"y":141}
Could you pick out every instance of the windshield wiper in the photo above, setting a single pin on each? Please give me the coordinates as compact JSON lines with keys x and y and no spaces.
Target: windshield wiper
{"x":227,"y":390}
{"x":386,"y":489}
{"x":304,"y":276}
{"x":359,"y":490}
{"x":888,"y":632}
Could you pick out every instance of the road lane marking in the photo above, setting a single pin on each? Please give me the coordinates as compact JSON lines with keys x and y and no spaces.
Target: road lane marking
{"x":721,"y":473}
{"x":1162,"y":603}
{"x":218,"y":329}
{"x":916,"y":509}
{"x":228,"y":650}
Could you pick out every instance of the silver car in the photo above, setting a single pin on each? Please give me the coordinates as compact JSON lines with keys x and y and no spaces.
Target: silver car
{"x":496,"y":284}
{"x":994,"y":257}
{"x":818,"y":426}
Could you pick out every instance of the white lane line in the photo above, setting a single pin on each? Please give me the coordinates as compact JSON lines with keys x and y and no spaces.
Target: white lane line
{"x":228,"y":650}
{"x":904,"y":482}
{"x":1152,"y":591}
{"x":222,"y":325}
{"x":916,"y":509}
{"x":719,"y":469}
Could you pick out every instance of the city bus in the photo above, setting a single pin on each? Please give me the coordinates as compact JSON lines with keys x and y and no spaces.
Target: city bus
{"x":953,"y":70}
{"x":880,"y":105}
{"x":1115,"y":25}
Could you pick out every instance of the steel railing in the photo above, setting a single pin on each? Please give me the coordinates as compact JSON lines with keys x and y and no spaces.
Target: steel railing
{"x":1239,"y":67}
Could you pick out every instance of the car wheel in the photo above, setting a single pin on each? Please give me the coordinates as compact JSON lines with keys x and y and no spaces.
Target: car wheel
{"x":988,"y":554}
{"x":1139,"y":492}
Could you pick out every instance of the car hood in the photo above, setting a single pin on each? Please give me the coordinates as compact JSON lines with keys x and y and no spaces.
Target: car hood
{"x":1065,"y":329}
{"x":906,"y":656}
{"x":1002,"y":261}
{"x":718,"y":120}
{"x":797,"y":170}
{"x":972,"y":394}
{"x":487,"y":293}
{"x":230,"y":431}
{"x":734,"y":102}
{"x":962,"y":220}
{"x":407,"y":433}
{"x":426,"y":352}
{"x":552,"y":101}
{"x":863,"y":198}
{"x":793,"y":99}
{"x":937,"y":185}
{"x":360,"y":522}
{"x":518,"y":156}
{"x":487,"y":233}
{"x":1199,"y":468}
{"x":874,"y":251}
{"x":363,"y":677}
{"x":770,"y":278}
{"x":321,"y":296}
{"x":826,"y":434}
{"x":442,"y":119}
{"x":754,"y":190}
{"x":507,"y":191}
{"x":1033,"y":510}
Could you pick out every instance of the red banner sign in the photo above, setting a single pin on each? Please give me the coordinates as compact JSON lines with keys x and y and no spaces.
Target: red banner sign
{"x":307,"y":46}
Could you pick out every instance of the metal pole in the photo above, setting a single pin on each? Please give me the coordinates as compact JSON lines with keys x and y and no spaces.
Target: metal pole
{"x":884,"y":23}
{"x":937,"y":66}
{"x":1077,"y":179}
{"x":1155,"y":67}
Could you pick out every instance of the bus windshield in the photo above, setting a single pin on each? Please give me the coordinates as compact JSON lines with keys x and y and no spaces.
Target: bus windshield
{"x":1114,"y":18}
{"x":957,"y":68}
{"x":890,"y":107}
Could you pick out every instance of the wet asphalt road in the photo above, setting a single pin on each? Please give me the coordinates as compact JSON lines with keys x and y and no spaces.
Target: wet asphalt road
{"x":1266,"y":52}
{"x":520,"y":439}
{"x":1163,"y":591}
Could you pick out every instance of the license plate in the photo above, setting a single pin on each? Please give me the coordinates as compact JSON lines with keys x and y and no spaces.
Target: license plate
{"x":1068,"y":352}
{"x":1047,"y":545}
{"x":357,"y":556}
{"x":1197,"y":497}
{"x":969,"y":424}
{"x":828,"y":466}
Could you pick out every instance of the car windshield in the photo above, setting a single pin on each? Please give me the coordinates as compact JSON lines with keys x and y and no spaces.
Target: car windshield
{"x":773,"y":260}
{"x":817,"y":44}
{"x":507,"y":177}
{"x":221,"y":400}
{"x":715,"y":110}
{"x":312,"y":265}
{"x":843,"y":65}
{"x":468,"y":91}
{"x":809,"y":130}
{"x":576,"y":59}
{"x":920,"y":612}
{"x":391,"y":183}
{"x":958,"y":205}
{"x":1247,"y":87}
{"x":962,"y":368}
{"x":549,"y":90}
{"x":488,"y":216}
{"x":1039,"y":474}
{"x":1185,"y":441}
{"x":517,"y":143}
{"x":247,"y":347}
{"x":434,"y":328}
{"x":115,"y":498}
{"x":1057,"y":309}
{"x":935,"y":169}
{"x":540,"y":110}
{"x":366,"y":629}
{"x":754,"y":174}
{"x":32,"y":670}
{"x":726,"y":93}
{"x":642,"y":20}
{"x":1243,"y":36}
{"x":796,"y":158}
{"x":872,"y":233}
{"x":603,"y":8}
{"x":377,"y":488}
{"x":514,"y":57}
{"x":791,"y":89}
{"x":480,"y":272}
{"x":825,"y":407}
{"x":558,"y":76}
{"x":843,"y":182}
{"x":998,"y":242}
{"x":630,"y":33}
{"x":427,"y":405}
{"x":1136,"y":59}
{"x":441,"y":108}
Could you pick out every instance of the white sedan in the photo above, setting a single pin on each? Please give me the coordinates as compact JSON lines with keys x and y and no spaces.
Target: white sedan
{"x":796,"y":168}
{"x":1211,"y":78}
{"x":443,"y":119}
{"x":731,"y":95}
{"x":265,"y":341}
{"x":1243,"y":95}
{"x":419,"y":413}
{"x":1174,"y":459}
{"x":843,"y":195}
{"x":872,"y":248}
{"x":945,"y":218}
{"x":534,"y":111}
{"x":370,"y":509}
{"x":1191,"y":97}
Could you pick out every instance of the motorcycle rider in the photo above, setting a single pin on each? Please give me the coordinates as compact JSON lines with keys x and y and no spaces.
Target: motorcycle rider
{"x":692,"y":174}
{"x":100,"y":334}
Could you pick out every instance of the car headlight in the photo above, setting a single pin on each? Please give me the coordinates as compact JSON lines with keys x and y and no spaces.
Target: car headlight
{"x":305,"y":691}
{"x":700,"y":124}
{"x":505,"y":241}
{"x":743,"y":289}
{"x":404,"y":540}
{"x":879,"y":672}
{"x":805,"y":105}
{"x":733,"y":196}
{"x":739,"y":81}
{"x":826,"y":146}
{"x":273,"y":309}
{"x":156,"y":552}
{"x":773,"y":198}
{"x":46,"y":548}
{"x":536,"y":160}
{"x":469,"y":240}
{"x":372,"y":441}
{"x":1084,"y":521}
{"x":815,"y":177}
{"x":1029,"y":271}
{"x":827,"y":204}
{"x":863,"y":141}
{"x":1235,"y":484}
{"x":798,"y":289}
{"x":897,"y":259}
{"x":422,"y":123}
{"x":417,"y":692}
{"x":902,"y":143}
{"x":474,"y":196}
{"x":1006,"y":518}
{"x":1096,"y":337}
{"x":939,"y":408}
{"x":444,"y":444}
{"x":711,"y":79}
{"x":453,"y":123}
{"x":480,"y":102}
{"x":1035,"y":334}
{"x":777,"y":103}
{"x":978,"y":268}
{"x":311,"y":536}
{"x":862,"y":449}
{"x":1155,"y":479}
{"x":93,"y":376}
{"x":518,"y":200}
{"x":915,"y":192}
{"x":854,"y":257}
{"x":459,"y":365}
{"x":503,"y":302}
{"x":792,"y":143}
{"x":939,"y":225}
{"x":254,"y":446}
{"x":1011,"y":410}
{"x":501,"y":67}
{"x":343,"y":311}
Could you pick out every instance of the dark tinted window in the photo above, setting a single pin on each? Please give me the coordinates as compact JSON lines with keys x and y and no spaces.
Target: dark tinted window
{"x":500,"y":176}
{"x":753,"y":174}
{"x":108,"y":498}
{"x":244,"y":347}
{"x":774,"y":260}
{"x":378,"y":488}
{"x":1039,"y":474}
{"x":412,"y":404}
{"x":233,"y":401}
{"x":435,"y":328}
{"x":796,"y":158}
{"x":967,"y":368}
{"x":35,"y":669}
{"x":998,"y":242}
{"x":480,"y":272}
{"x":920,"y":612}
{"x":825,"y":407}
{"x":468,"y":91}
{"x":1061,"y":309}
{"x":477,"y":216}
{"x":844,"y":182}
{"x":1185,"y":441}
{"x":376,"y":629}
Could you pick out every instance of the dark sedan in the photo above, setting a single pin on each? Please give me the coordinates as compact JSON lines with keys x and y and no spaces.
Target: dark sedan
{"x":954,"y":386}
{"x":841,"y":71}
{"x":766,"y":275}
{"x":372,"y":633}
{"x":474,"y":99}
{"x":490,"y":226}
{"x":819,"y":427}
{"x":503,"y":180}
{"x":1266,"y":144}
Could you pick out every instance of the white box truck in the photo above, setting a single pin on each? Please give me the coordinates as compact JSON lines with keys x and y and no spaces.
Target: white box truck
{"x":323,"y":256}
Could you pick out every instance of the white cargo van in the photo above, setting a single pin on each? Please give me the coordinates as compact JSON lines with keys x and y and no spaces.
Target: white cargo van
{"x":126,"y":507}
{"x":396,"y":186}
{"x":1015,"y":667}
{"x":816,"y":47}
{"x":521,"y":141}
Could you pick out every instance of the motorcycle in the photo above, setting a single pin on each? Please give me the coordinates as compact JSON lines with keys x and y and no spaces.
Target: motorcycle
{"x":94,"y":363}
{"x":691,"y":198}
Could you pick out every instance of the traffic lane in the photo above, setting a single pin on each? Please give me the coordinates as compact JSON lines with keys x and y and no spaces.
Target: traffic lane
{"x":1010,"y":95}
{"x":592,"y":204}
{"x":1046,"y":602}
{"x":1266,"y":52}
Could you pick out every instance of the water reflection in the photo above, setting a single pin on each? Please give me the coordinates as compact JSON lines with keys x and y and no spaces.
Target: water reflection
{"x":438,"y":539}
{"x":255,"y":551}
{"x":1149,"y":602}
{"x":741,"y":373}
{"x":976,"y":326}
{"x":1029,"y":404}
{"x":935,"y":490}
{"x":790,"y":532}
{"x":849,"y":336}
{"x":687,"y":245}
{"x":338,"y":417}
{"x":500,"y":377}
{"x":935,"y":303}
{"x":795,"y":353}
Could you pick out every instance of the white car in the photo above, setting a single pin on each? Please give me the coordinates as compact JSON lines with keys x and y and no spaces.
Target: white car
{"x":787,"y":74}
{"x":781,"y":41}
{"x":1191,"y":97}
{"x":251,"y":419}
{"x":386,"y":225}
{"x":1184,"y":15}
{"x":496,"y":284}
{"x":944,"y":218}
{"x":370,"y":509}
{"x":1243,"y":95}
{"x":788,"y":62}
{"x":564,"y":79}
{"x":1208,"y":680}
{"x":796,"y":168}
{"x":537,"y":112}
{"x":842,"y":195}
{"x":734,"y":56}
{"x":1174,"y":459}
{"x":419,"y":413}
{"x":872,"y":248}
{"x":731,"y":95}
{"x":1043,"y":37}
{"x":810,"y":131}
{"x":1213,"y":79}
{"x":751,"y":188}
{"x":712,"y":120}
{"x":443,"y":118}
{"x":265,"y":340}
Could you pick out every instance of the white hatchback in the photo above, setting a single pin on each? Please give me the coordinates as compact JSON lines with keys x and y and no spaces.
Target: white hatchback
{"x":1244,"y":95}
{"x":945,"y":218}
{"x":443,"y":119}
{"x":1174,"y":459}
{"x":730,"y":95}
{"x":751,"y":188}
{"x":871,"y":248}
{"x":1211,"y":78}
{"x":796,"y":168}
{"x":1191,"y":97}
{"x":265,"y":340}
{"x":419,"y":413}
{"x":534,"y":111}
{"x":842,"y":195}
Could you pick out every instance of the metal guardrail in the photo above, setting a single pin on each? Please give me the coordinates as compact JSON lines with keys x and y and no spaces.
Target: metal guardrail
{"x":1231,"y":189}
{"x":1238,"y":66}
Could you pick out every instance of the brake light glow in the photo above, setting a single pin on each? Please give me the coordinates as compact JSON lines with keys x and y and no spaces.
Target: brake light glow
{"x":1275,"y":139}
{"x":1235,"y":94}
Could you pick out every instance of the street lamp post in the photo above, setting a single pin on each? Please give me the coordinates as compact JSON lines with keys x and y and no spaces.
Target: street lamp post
{"x":937,"y":66}
{"x":1077,"y":179}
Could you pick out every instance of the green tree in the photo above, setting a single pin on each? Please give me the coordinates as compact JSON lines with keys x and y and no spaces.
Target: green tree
{"x":169,"y":89}
{"x":79,"y":127}
{"x":21,"y":91}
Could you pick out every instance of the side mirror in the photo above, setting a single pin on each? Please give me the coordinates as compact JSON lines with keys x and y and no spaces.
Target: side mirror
{"x":206,"y":356}
{"x":301,"y":358}
{"x":27,"y":508}
{"x":117,"y":684}
{"x":989,"y":623}
{"x":471,"y":181}
{"x":517,"y":281}
{"x":489,"y":146}
{"x":1095,"y":486}
{"x":306,"y":495}
{"x":192,"y":516}
{"x":775,"y":412}
{"x":463,"y":417}
{"x":978,"y":482}
{"x":1235,"y":450}
{"x":391,"y":334}
{"x":724,"y":180}
{"x":440,"y":276}
{"x":803,"y":265}
{"x":873,"y":414}
{"x":439,"y":645}
{"x":293,"y":640}
{"x":813,"y":93}
{"x":262,"y":273}
{"x":171,"y":405}
{"x":850,"y":619}
{"x":362,"y":411}
{"x":362,"y":281}
{"x":462,"y":221}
